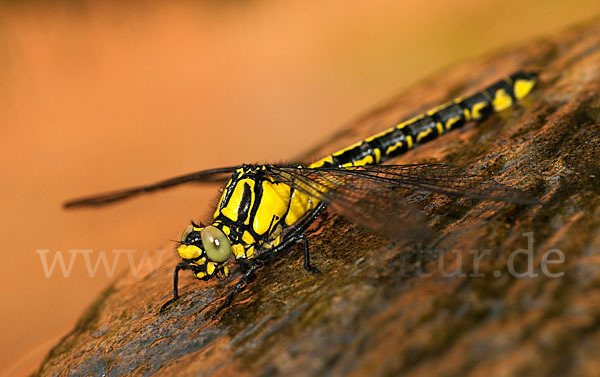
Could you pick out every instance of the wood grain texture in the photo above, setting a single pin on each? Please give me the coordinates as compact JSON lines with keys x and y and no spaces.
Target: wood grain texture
{"x":380,"y":310}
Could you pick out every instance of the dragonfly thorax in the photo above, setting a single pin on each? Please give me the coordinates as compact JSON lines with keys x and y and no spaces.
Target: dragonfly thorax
{"x":254,"y":208}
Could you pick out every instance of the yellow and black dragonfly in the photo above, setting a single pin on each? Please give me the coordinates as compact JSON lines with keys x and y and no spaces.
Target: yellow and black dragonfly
{"x":264,"y":209}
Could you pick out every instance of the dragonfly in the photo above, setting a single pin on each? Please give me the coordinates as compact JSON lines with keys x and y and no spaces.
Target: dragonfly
{"x":265,"y":209}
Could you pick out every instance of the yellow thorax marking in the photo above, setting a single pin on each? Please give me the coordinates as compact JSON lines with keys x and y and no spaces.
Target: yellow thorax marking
{"x":231,"y":210}
{"x":200,"y":275}
{"x":238,"y":251}
{"x":210,"y":268}
{"x":274,"y":202}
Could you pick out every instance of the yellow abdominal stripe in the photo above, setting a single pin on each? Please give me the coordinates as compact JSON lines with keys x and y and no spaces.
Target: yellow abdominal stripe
{"x":523,"y":87}
{"x":502,"y":100}
{"x":423,"y":134}
{"x":476,"y":111}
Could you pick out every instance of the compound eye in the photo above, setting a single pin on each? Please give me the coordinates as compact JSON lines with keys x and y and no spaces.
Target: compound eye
{"x":186,"y":232}
{"x":216,"y":244}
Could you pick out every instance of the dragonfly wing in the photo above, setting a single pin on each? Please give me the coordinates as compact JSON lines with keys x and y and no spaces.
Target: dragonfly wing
{"x":373,"y":196}
{"x":203,"y":176}
{"x":369,"y":204}
{"x":385,"y":213}
{"x":439,"y":178}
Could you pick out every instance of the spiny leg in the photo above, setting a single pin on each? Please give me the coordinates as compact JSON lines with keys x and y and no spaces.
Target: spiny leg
{"x":180,"y":266}
{"x":236,"y":289}
{"x":295,"y":235}
{"x":253,"y":267}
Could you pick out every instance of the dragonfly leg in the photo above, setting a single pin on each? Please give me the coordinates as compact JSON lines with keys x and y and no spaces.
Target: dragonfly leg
{"x":293,"y":237}
{"x":180,"y":266}
{"x":236,"y":289}
{"x":307,"y":266}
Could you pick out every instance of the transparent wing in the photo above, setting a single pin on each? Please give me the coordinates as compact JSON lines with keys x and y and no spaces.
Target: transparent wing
{"x":203,"y":176}
{"x":374,"y":196}
{"x":368,"y":204}
{"x":439,"y":178}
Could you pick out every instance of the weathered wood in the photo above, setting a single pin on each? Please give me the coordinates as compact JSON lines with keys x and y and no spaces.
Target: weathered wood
{"x":380,"y":310}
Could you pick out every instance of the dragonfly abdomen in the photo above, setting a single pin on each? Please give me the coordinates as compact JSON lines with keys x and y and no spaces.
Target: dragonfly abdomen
{"x":433,"y":123}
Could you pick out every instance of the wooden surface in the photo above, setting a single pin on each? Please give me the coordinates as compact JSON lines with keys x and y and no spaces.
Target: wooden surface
{"x":377,"y":309}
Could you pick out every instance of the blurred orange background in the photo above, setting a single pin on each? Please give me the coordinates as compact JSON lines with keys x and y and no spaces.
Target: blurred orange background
{"x":102,"y":95}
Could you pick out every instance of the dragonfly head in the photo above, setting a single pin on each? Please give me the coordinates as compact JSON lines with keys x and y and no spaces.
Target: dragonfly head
{"x":206,"y":250}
